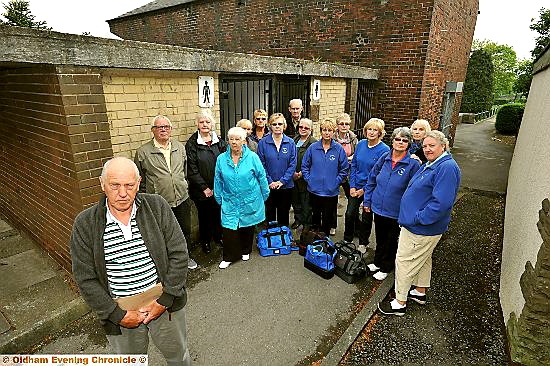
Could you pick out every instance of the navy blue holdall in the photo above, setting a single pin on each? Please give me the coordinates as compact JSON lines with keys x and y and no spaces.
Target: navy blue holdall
{"x":275,"y":240}
{"x":320,"y":256}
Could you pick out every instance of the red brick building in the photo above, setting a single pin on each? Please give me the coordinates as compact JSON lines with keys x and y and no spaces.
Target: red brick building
{"x":418,"y":45}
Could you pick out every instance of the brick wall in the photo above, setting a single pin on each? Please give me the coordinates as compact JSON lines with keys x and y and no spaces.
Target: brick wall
{"x":46,"y":116}
{"x":134,"y":98}
{"x":393,"y":36}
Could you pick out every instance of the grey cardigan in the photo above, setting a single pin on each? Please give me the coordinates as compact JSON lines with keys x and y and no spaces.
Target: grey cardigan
{"x":164,"y":241}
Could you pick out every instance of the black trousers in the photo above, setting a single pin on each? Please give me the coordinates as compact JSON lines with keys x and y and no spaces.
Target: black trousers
{"x":302,"y":208}
{"x":364,"y":227}
{"x":209,"y":214}
{"x":237,"y":242}
{"x":277,"y":206}
{"x":346,"y":187}
{"x":324,"y":211}
{"x":183,"y":215}
{"x":387,"y":236}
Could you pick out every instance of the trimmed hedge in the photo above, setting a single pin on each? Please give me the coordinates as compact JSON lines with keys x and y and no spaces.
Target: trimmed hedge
{"x":509,"y":118}
{"x":477,"y":96}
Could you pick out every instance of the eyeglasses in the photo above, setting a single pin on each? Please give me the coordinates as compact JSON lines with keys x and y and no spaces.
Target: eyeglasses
{"x":399,"y":139}
{"x":164,"y":127}
{"x":304,"y":128}
{"x":261,"y":118}
{"x":277,"y":124}
{"x":344,"y":123}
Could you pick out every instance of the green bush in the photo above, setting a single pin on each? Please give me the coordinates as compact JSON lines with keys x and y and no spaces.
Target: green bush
{"x":509,"y":118}
{"x":477,"y":96}
{"x":501,"y":101}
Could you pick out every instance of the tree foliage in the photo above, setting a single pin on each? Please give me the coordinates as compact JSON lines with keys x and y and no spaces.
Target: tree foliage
{"x":542,"y":27}
{"x":17,"y":13}
{"x":504,"y":64}
{"x":522,"y":84}
{"x":478,"y":86}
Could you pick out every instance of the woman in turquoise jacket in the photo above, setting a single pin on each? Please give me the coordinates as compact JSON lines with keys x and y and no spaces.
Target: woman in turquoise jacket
{"x":240,"y":188}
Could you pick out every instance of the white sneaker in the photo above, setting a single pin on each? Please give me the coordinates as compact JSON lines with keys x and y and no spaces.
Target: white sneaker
{"x":224,"y":264}
{"x":332,"y":231}
{"x":380,"y":275}
{"x":372,"y":267}
{"x":246,"y":257}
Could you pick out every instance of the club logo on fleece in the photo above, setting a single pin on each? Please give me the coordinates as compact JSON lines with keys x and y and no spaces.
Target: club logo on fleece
{"x":331,"y":157}
{"x":401,"y":171}
{"x":284,"y":150}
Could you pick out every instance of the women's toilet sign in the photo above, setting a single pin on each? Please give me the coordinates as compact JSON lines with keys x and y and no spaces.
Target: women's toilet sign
{"x":316,"y":89}
{"x":206,"y":91}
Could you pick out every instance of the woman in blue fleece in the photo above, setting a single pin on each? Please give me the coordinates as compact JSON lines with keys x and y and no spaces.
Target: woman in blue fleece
{"x":366,"y":155}
{"x":324,"y":167}
{"x":277,"y":153}
{"x":424,"y":215}
{"x":386,"y":183}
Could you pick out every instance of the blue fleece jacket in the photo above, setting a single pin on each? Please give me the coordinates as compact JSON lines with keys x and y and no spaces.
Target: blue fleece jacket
{"x":428,"y":200}
{"x":279,"y":165}
{"x":240,"y":189}
{"x":324,"y":172}
{"x":363,"y":160}
{"x":385,"y":186}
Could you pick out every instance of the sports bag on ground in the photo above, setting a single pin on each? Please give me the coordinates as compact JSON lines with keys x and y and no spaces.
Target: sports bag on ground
{"x":307,"y":237}
{"x":348,"y":263}
{"x":275,"y":240}
{"x":319,"y":257}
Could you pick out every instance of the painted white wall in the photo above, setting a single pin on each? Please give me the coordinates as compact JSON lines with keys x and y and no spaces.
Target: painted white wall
{"x":528,"y":185}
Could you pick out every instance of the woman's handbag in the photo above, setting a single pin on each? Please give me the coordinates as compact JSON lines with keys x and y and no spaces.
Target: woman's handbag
{"x":275,"y":240}
{"x":320,"y":256}
{"x":349,"y":264}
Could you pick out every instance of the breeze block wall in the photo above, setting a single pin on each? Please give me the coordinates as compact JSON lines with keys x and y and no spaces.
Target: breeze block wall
{"x":393,"y":36}
{"x":134,"y":97}
{"x":54,"y":139}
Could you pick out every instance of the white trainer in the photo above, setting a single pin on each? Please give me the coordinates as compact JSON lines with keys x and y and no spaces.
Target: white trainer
{"x":380,"y":275}
{"x":372,"y":267}
{"x":246,"y":257}
{"x":224,"y":264}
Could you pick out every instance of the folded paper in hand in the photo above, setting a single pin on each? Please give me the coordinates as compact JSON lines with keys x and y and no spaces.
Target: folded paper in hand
{"x":135,"y":302}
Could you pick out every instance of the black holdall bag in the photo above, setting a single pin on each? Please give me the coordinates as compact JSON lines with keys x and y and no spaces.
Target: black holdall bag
{"x":348,"y":263}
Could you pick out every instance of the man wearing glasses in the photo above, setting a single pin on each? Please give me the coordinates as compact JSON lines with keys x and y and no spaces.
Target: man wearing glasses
{"x":295,"y":107}
{"x":162,"y":164}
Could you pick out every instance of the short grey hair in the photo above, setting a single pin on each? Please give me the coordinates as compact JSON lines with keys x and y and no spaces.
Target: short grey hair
{"x":160,"y":116}
{"x":108,"y":163}
{"x":308,"y":121}
{"x":297,"y":100}
{"x":403,"y":132}
{"x":439,"y":137}
{"x":237,"y":132}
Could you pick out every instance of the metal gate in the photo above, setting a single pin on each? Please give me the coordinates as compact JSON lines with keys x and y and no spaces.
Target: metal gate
{"x":239,"y":97}
{"x":365,"y":105}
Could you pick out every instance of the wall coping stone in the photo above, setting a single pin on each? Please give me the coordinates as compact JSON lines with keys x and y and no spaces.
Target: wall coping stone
{"x":25,"y":45}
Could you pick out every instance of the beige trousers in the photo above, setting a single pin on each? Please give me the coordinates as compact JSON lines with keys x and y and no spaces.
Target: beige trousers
{"x":413,"y":263}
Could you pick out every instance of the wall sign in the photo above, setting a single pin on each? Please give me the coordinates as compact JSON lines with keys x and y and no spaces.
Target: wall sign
{"x":206,"y":91}
{"x":316,"y":89}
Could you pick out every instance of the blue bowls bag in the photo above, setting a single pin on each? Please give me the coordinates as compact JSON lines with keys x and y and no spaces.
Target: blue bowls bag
{"x":275,"y":240}
{"x":320,"y":256}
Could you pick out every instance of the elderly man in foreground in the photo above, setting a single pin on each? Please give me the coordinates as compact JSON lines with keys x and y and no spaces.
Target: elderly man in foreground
{"x":130,"y":262}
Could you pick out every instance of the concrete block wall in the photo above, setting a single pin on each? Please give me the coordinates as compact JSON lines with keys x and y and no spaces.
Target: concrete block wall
{"x":53,"y":137}
{"x":394,"y":36}
{"x":134,"y":98}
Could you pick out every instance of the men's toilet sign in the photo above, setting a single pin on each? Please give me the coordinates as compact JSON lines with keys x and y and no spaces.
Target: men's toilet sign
{"x":316,"y":89}
{"x":206,"y":91}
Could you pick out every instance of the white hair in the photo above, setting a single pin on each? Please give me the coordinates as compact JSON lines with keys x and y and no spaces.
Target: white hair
{"x":237,"y":132}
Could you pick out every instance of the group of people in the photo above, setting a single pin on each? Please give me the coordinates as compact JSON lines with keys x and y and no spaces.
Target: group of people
{"x":129,"y":251}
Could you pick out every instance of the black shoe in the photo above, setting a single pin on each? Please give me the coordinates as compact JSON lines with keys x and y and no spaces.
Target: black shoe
{"x":420,"y":299}
{"x":206,"y":248}
{"x":295,"y":225}
{"x":385,"y":308}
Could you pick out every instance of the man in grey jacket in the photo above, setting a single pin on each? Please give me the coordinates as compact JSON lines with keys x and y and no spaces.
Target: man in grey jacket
{"x":162,"y":164}
{"x":129,"y":260}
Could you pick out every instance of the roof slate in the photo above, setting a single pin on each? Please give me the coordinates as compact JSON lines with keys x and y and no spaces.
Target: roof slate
{"x":152,"y":6}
